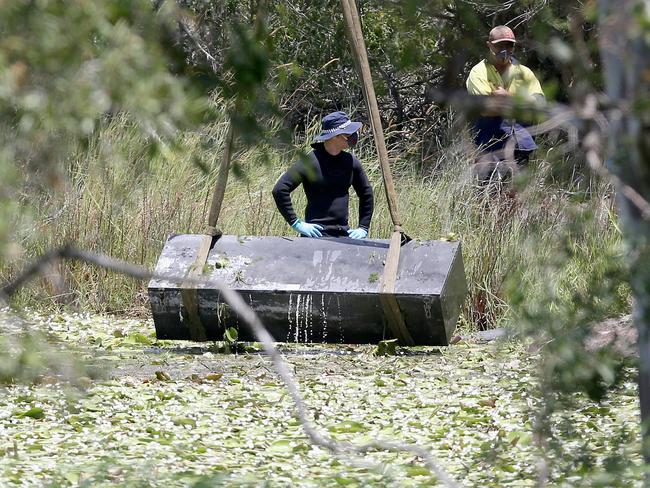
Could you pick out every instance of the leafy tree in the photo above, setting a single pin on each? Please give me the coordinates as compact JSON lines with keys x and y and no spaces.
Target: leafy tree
{"x":59,"y":84}
{"x":412,"y":46}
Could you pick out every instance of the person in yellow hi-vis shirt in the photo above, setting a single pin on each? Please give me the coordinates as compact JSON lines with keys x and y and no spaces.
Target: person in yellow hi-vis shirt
{"x":501,"y":75}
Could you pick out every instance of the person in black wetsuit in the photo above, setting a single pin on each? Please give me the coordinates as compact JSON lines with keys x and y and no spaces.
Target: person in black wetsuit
{"x":326,"y":177}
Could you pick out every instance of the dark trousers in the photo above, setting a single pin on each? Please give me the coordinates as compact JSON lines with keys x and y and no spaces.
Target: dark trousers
{"x":492,"y":134}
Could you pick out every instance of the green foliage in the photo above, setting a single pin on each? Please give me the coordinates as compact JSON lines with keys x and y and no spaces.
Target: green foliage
{"x":564,"y":310}
{"x":386,"y":348}
{"x":412,"y":46}
{"x":98,"y":102}
{"x":29,"y":358}
{"x":128,"y":208}
{"x":585,"y":283}
{"x":230,"y":335}
{"x":68,"y":68}
{"x":34,"y":413}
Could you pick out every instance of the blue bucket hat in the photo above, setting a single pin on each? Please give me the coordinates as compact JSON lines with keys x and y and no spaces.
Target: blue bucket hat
{"x":336,"y":123}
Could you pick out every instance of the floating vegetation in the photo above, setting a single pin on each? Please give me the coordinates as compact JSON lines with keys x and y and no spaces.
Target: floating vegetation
{"x":179,"y":413}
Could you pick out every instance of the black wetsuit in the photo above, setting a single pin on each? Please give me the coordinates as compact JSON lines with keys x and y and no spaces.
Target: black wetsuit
{"x":326,"y":180}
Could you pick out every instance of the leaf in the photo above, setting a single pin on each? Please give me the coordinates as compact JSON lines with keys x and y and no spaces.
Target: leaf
{"x":254,"y":347}
{"x":214,"y":376}
{"x":519,"y":437}
{"x":230,"y":335}
{"x":301,"y":447}
{"x":386,"y":348}
{"x":471,"y":409}
{"x":489,"y":402}
{"x":34,"y":413}
{"x":417,"y":471}
{"x":280,"y":446}
{"x":162,"y":376}
{"x":450,"y":236}
{"x":348,"y":427}
{"x":345,"y":481}
{"x":184,"y":421}
{"x":72,"y":477}
{"x":93,"y":406}
{"x":138,"y":338}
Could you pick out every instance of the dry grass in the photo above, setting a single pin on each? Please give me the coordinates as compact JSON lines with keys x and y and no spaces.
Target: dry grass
{"x":119,"y":200}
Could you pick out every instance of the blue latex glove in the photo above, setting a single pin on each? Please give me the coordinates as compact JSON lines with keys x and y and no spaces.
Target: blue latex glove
{"x":306,"y":229}
{"x":358,"y":233}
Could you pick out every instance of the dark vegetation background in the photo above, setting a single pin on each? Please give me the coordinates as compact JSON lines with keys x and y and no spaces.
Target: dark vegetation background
{"x":413,"y":47}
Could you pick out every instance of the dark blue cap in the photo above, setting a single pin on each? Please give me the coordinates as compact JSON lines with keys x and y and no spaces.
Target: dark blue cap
{"x":336,"y":123}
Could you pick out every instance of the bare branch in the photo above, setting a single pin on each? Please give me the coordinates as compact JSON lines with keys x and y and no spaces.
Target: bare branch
{"x":195,"y":37}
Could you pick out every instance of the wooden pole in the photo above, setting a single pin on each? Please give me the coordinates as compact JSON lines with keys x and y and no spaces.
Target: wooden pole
{"x":189,"y":295}
{"x":222,"y":181}
{"x":392,"y":311}
{"x":361,"y":58}
{"x":224,"y":168}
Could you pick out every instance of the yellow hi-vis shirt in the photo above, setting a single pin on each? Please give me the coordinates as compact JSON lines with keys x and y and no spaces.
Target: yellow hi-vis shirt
{"x":519,"y":80}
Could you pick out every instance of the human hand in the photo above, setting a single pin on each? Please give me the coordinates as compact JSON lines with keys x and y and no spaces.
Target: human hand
{"x":358,"y":233}
{"x":501,"y":92}
{"x":307,"y":229}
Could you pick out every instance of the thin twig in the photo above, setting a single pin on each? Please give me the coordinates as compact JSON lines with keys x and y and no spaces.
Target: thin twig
{"x":199,"y":45}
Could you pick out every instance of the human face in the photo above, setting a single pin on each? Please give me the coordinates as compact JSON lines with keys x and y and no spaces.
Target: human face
{"x":502,"y":51}
{"x":351,"y":139}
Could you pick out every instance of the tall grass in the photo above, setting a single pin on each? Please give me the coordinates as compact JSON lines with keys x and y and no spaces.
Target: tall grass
{"x":120,"y":201}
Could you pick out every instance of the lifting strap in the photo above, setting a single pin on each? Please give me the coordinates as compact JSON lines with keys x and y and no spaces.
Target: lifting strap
{"x":392,"y":311}
{"x":189,"y":293}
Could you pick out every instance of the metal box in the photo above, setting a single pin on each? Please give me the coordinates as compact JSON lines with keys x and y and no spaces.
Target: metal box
{"x":311,"y":290}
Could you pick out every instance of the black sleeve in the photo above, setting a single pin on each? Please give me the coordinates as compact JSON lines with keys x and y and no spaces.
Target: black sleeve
{"x":288,"y":182}
{"x":364,"y":192}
